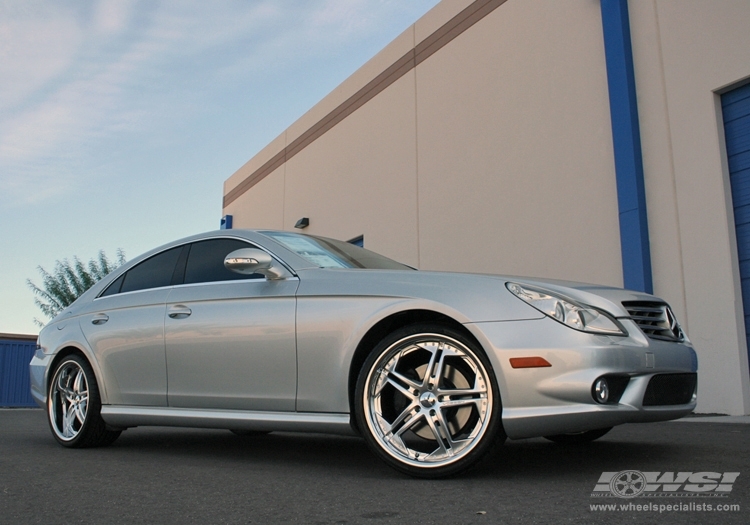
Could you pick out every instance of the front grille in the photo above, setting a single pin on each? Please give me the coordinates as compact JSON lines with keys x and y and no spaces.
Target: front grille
{"x":670,"y":389}
{"x":655,"y":319}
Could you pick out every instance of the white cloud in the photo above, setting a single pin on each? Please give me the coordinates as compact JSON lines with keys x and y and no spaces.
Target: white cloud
{"x":111,"y":17}
{"x":37,"y":43}
{"x":72,"y":79}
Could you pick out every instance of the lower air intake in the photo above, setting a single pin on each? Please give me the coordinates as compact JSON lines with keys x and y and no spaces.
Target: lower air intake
{"x":670,"y":389}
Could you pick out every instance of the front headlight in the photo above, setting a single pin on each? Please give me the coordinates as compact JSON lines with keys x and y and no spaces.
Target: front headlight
{"x":577,"y":316}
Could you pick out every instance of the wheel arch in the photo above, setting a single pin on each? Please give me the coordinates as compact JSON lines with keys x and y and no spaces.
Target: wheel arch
{"x":59,"y":356}
{"x":384,"y":327}
{"x":65,"y":351}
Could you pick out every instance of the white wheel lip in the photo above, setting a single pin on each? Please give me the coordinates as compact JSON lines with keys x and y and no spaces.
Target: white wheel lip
{"x":53,"y":399}
{"x":385,"y":357}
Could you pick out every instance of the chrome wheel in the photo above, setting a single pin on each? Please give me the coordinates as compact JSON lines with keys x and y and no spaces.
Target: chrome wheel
{"x":74,"y":406}
{"x":69,"y":400}
{"x":429,"y":402}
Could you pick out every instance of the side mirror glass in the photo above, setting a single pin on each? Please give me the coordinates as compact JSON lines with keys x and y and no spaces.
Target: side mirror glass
{"x":248,"y":261}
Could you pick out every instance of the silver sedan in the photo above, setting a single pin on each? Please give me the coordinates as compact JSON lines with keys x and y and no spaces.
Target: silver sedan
{"x":260,"y":331}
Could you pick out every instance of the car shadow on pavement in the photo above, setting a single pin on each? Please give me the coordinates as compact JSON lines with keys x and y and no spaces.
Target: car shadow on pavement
{"x":518,"y":459}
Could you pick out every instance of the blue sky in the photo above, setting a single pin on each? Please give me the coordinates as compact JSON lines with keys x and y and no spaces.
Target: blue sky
{"x":120,"y":120}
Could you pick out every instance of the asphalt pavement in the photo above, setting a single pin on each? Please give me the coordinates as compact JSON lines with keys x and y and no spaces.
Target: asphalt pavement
{"x":168,"y":475}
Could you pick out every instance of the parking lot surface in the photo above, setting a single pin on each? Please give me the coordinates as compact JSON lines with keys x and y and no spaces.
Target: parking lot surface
{"x":169,"y":475}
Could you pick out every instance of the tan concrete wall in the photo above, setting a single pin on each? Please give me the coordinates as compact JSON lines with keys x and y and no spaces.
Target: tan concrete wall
{"x":515,"y":151}
{"x":686,"y":52}
{"x":495,"y":155}
{"x":360,"y":177}
{"x":263,"y":205}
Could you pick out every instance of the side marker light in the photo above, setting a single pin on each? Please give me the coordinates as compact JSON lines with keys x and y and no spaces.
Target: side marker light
{"x":529,"y":362}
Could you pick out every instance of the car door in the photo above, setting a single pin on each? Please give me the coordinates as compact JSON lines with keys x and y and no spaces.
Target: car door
{"x":230,"y":338}
{"x":125,"y":328}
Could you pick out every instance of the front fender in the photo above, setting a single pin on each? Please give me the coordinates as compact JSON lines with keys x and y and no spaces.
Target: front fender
{"x":329,"y":330}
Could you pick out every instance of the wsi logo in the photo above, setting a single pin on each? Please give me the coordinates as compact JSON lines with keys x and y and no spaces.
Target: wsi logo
{"x":633,"y":483}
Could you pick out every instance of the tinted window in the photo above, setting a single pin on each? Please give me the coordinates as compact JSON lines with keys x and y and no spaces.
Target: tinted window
{"x":206,"y":261}
{"x":114,"y":287}
{"x":154,"y":272}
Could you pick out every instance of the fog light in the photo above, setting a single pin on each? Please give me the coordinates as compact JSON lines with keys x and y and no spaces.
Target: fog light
{"x":601,"y":390}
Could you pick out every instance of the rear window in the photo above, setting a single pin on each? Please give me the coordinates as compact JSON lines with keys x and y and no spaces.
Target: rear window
{"x":154,"y":272}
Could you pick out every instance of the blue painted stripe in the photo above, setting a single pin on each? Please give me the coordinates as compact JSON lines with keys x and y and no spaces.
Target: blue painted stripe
{"x":626,"y":138}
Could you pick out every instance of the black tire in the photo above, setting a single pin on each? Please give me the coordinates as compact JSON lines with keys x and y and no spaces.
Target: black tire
{"x":429,"y":424}
{"x":74,"y":406}
{"x":578,"y":438}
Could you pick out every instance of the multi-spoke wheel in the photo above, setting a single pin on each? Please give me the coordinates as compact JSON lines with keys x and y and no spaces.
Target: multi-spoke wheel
{"x":578,"y":438}
{"x":74,"y":406}
{"x":427,"y":401}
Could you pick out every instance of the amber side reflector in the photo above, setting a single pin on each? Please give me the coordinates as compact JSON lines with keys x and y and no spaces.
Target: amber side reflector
{"x":528,"y":362}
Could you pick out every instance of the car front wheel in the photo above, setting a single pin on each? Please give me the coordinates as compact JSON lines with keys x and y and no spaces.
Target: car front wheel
{"x":427,"y":402}
{"x":74,"y":406}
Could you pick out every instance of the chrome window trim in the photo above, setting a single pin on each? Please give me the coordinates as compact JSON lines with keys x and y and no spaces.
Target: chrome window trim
{"x":212,"y":283}
{"x":120,"y":294}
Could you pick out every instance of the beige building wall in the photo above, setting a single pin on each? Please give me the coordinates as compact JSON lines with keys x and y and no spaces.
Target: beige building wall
{"x":494,"y":154}
{"x":686,"y":53}
{"x":503,"y":183}
{"x":360,"y":177}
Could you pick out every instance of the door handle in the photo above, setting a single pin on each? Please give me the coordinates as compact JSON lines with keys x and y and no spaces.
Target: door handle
{"x":179,"y":312}
{"x":99,"y":319}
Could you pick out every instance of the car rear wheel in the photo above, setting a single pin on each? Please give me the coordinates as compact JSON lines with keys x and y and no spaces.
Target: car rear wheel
{"x":578,"y":437}
{"x":427,"y":402}
{"x":74,"y":406}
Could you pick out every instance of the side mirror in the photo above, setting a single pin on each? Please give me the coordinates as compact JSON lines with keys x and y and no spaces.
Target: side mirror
{"x":248,"y":261}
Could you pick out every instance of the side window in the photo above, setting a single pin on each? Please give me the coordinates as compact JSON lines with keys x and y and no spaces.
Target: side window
{"x":114,"y":287}
{"x":154,"y":272}
{"x":205,"y":262}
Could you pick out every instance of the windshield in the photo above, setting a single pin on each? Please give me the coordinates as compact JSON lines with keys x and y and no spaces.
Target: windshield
{"x":330,"y":253}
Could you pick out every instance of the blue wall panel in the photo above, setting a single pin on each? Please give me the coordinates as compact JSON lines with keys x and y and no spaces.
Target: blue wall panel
{"x":15,"y":389}
{"x":741,"y":186}
{"x":735,"y":107}
{"x":740,"y":160}
{"x":733,"y":96}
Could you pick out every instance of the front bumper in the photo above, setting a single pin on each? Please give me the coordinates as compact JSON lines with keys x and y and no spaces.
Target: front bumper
{"x":558,"y":399}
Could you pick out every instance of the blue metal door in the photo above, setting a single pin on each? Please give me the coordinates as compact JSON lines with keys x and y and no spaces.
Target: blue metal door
{"x":15,"y":355}
{"x":736,"y":110}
